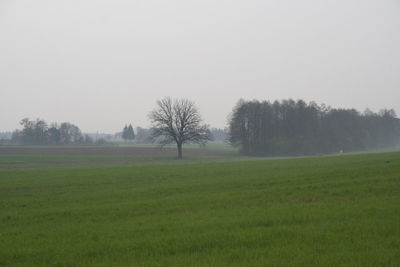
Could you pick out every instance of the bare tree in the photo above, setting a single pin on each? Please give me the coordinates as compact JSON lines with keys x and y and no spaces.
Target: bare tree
{"x":178,"y":121}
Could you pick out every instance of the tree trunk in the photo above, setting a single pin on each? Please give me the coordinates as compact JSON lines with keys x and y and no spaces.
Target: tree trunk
{"x":179,"y":150}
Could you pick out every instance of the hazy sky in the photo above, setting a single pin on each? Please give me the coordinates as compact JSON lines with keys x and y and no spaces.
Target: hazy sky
{"x":101,"y":64}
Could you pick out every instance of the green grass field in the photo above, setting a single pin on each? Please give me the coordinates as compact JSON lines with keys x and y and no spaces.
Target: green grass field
{"x":24,"y":157}
{"x":45,"y":161}
{"x":323,"y":211}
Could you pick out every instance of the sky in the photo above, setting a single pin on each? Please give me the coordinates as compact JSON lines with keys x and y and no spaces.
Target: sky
{"x":103,"y":64}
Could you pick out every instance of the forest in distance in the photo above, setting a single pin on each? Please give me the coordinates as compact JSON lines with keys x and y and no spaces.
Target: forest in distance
{"x":258,"y":128}
{"x":296,"y":128}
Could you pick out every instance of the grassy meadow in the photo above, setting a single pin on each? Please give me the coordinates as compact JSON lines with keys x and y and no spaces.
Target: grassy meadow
{"x":320,"y":211}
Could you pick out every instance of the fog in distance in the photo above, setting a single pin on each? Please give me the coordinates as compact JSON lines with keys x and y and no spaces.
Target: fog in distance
{"x":102,"y":64}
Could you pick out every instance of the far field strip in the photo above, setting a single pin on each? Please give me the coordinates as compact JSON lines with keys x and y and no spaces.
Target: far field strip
{"x":25,"y":157}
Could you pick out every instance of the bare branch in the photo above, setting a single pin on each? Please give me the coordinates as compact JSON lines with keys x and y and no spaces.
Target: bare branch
{"x":178,"y":121}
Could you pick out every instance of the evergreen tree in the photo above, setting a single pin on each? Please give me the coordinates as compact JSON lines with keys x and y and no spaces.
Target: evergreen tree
{"x":125,"y":133}
{"x":130,"y":133}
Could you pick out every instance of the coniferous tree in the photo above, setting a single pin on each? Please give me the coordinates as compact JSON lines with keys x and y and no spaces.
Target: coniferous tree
{"x":130,"y":135}
{"x":125,"y":133}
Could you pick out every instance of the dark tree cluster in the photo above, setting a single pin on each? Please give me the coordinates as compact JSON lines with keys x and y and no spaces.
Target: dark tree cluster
{"x":38,"y":132}
{"x":128,"y":133}
{"x":297,"y":128}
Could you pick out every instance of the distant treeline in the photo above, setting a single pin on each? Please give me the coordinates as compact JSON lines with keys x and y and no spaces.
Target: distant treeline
{"x":143,"y":135}
{"x":38,"y":132}
{"x":297,"y":128}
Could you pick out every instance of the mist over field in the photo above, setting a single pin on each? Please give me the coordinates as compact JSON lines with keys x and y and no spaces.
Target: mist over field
{"x":199,"y":133}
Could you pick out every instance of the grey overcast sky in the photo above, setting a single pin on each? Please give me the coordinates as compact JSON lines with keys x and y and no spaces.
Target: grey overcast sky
{"x":100,"y":64}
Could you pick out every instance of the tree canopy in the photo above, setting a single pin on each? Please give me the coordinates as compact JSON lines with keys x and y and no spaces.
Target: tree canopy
{"x":296,"y":128}
{"x":179,"y":122}
{"x":37,"y":132}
